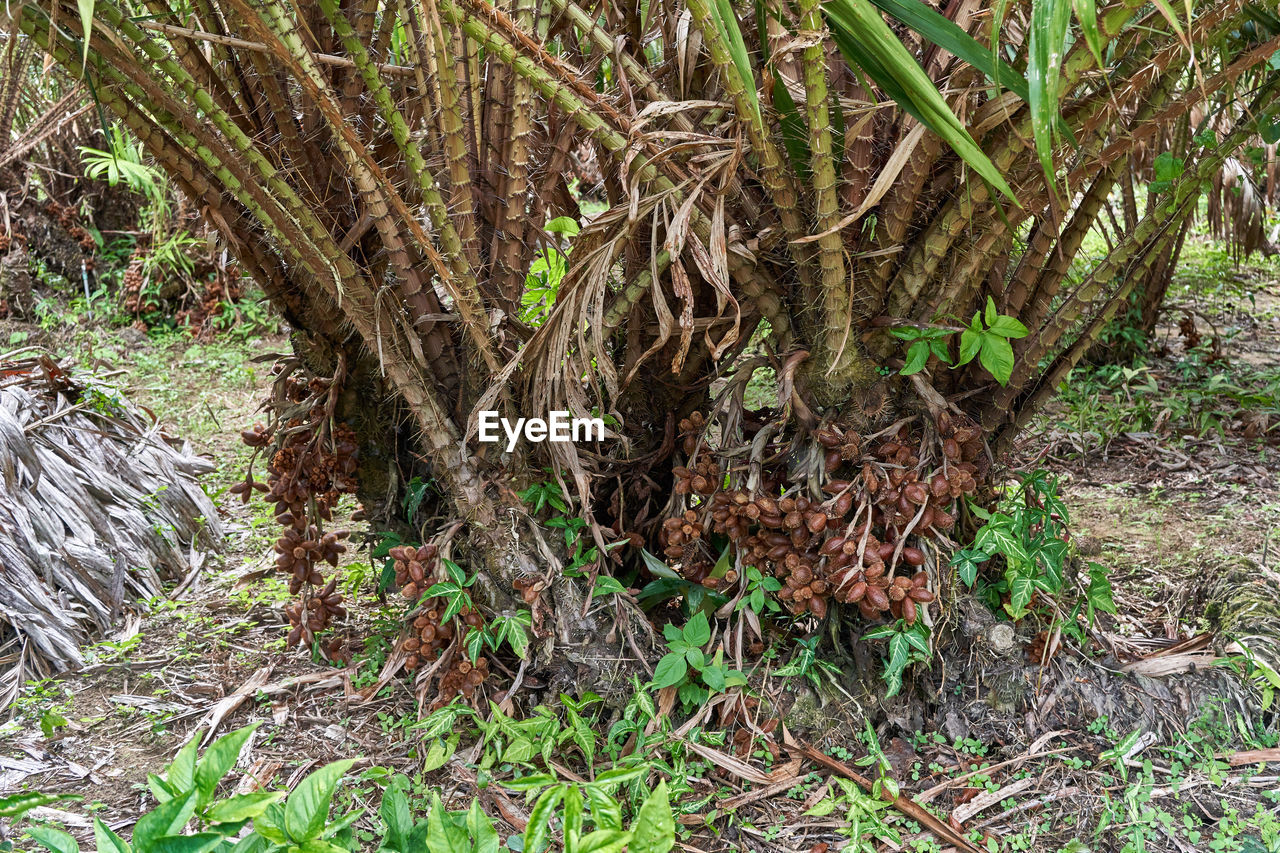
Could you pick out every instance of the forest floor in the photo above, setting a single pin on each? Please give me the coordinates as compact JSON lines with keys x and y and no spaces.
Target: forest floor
{"x":1169,"y":470}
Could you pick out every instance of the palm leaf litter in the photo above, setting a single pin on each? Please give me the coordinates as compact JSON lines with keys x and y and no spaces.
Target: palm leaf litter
{"x":98,"y":507}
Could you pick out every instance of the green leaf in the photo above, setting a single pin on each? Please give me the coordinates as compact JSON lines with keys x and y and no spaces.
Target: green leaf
{"x":218,"y":761}
{"x":606,"y":812}
{"x":658,"y":568}
{"x":1167,"y":11}
{"x":944,"y":33}
{"x":917,"y":358}
{"x":1099,"y":592}
{"x":997,"y":537}
{"x":532,"y":782}
{"x":307,"y":808}
{"x":991,"y":313}
{"x":654,"y":829}
{"x":726,"y":21}
{"x":243,"y":806}
{"x":967,"y":566}
{"x":970,"y":343}
{"x":795,"y":134}
{"x":899,"y":652}
{"x":106,"y":840}
{"x":537,"y":833}
{"x":519,"y":750}
{"x":50,"y":722}
{"x":822,"y":808}
{"x":697,"y":631}
{"x":619,"y":775}
{"x":270,"y":825}
{"x":607,"y":585}
{"x":918,"y":637}
{"x":439,"y":753}
{"x":1046,"y":49}
{"x":1166,"y":168}
{"x":1269,"y":129}
{"x":670,"y":671}
{"x":571,"y":818}
{"x":603,"y":841}
{"x":166,"y":819}
{"x":1021,"y":589}
{"x":1122,"y":749}
{"x":86,"y":24}
{"x":54,"y":840}
{"x":181,"y":775}
{"x":1007,"y":327}
{"x":996,"y":355}
{"x":201,"y":842}
{"x":562,"y":225}
{"x":455,"y":572}
{"x":394,"y":811}
{"x":865,"y":40}
{"x":442,"y":837}
{"x":317,"y":845}
{"x":880,"y":633}
{"x":721,"y":568}
{"x":474,"y":644}
{"x":483,"y":833}
{"x":1087,"y":14}
{"x":15,"y":806}
{"x":160,"y":789}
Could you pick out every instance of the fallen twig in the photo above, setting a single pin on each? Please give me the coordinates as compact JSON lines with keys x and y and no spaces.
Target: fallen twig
{"x":904,"y":805}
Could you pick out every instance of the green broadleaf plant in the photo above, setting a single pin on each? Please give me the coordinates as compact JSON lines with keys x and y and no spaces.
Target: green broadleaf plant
{"x":987,"y":337}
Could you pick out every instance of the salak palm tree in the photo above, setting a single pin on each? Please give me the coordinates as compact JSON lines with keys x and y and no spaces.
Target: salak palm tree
{"x":868,"y":212}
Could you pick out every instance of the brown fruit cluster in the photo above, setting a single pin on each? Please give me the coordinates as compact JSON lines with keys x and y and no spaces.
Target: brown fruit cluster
{"x":1039,"y":650}
{"x":310,"y":615}
{"x":703,"y":479}
{"x":62,"y":213}
{"x":67,"y":221}
{"x":432,"y":635}
{"x":859,"y":543}
{"x":461,"y":678}
{"x":132,"y":284}
{"x":221,"y":288}
{"x":691,"y":429}
{"x":838,"y":448}
{"x":85,"y":239}
{"x":303,"y":469}
{"x":310,"y":466}
{"x":299,"y":551}
{"x":415,"y":568}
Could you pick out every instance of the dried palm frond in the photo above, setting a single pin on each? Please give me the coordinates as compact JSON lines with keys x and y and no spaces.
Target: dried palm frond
{"x":97,"y":509}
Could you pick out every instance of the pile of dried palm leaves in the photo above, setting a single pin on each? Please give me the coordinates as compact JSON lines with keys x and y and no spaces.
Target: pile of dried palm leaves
{"x":97,"y":508}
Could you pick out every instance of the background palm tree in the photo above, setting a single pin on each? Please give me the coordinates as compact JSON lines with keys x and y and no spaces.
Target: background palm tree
{"x":875,"y":208}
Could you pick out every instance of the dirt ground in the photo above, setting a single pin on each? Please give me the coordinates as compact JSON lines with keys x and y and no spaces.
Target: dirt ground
{"x":1163,"y":505}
